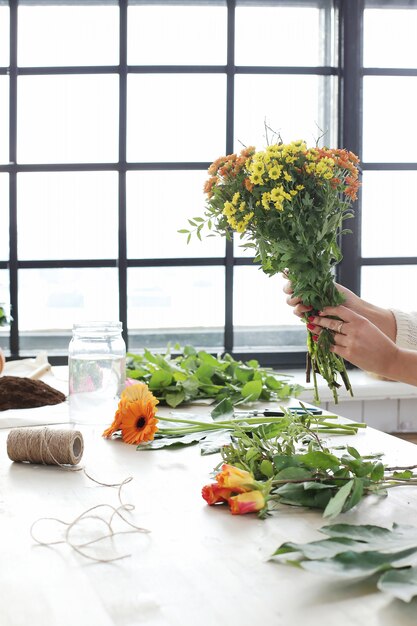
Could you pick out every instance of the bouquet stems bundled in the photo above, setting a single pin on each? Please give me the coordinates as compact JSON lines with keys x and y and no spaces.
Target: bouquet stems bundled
{"x":288,"y":204}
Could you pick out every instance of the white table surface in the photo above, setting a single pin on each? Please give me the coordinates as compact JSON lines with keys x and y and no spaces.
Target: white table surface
{"x":199,"y":565}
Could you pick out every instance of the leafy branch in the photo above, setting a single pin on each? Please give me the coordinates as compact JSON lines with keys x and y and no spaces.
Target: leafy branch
{"x":358,"y":552}
{"x":302,"y":471}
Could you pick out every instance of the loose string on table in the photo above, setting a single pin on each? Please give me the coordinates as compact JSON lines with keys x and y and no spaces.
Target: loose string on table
{"x":65,"y":448}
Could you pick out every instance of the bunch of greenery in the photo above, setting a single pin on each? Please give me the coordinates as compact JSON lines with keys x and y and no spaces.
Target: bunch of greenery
{"x":356,"y":552}
{"x":288,"y":204}
{"x":299,"y":469}
{"x":192,"y":375}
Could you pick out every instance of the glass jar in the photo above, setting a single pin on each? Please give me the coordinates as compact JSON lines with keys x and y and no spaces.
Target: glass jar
{"x":97,"y":371}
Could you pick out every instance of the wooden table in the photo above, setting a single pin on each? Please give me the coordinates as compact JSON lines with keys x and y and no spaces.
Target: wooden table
{"x":199,"y":565}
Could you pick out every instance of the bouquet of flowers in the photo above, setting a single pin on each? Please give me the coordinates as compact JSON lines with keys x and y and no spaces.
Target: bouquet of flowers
{"x":288,"y":203}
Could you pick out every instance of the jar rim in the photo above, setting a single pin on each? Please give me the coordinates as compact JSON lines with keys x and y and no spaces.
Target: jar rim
{"x":96,"y":326}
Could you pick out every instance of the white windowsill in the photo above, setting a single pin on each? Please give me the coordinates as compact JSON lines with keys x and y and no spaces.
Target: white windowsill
{"x":364,"y":386}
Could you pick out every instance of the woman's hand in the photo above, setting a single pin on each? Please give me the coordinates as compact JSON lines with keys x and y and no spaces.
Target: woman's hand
{"x":381,"y":318}
{"x":357,"y":340}
{"x":351,"y":300}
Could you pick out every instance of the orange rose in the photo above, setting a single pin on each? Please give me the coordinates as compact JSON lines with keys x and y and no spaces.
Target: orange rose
{"x":214,"y":494}
{"x":248,"y":502}
{"x":233,"y":477}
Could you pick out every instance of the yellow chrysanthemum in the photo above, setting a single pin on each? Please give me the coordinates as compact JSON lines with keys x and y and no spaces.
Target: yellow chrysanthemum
{"x":255,"y":178}
{"x":228,"y":209}
{"x":235,"y":198}
{"x":266,"y":198}
{"x":274,"y":172}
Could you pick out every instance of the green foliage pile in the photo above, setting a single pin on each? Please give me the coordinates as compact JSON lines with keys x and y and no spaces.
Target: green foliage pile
{"x":193,"y":375}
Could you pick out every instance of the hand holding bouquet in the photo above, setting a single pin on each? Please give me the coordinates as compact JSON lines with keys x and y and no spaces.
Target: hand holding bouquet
{"x":288,"y":202}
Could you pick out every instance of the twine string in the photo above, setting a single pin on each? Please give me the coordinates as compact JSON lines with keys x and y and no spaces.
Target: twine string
{"x":64,"y":448}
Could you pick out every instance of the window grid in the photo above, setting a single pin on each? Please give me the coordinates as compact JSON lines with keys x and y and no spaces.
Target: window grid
{"x":350,"y":73}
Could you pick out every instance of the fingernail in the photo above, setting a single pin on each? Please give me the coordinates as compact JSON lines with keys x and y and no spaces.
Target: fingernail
{"x":311,"y":318}
{"x":315,"y":337}
{"x":310,"y":326}
{"x":319,"y":312}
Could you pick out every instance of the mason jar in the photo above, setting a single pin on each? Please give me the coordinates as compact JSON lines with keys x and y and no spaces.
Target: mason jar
{"x":97,"y":371}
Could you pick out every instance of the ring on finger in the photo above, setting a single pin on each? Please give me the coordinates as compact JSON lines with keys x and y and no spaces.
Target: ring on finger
{"x":339,"y":327}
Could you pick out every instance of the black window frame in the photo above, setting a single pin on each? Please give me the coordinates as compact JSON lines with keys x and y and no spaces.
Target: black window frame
{"x":349,"y":74}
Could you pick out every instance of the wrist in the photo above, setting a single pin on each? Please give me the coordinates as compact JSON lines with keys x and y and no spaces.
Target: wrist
{"x":384,"y":319}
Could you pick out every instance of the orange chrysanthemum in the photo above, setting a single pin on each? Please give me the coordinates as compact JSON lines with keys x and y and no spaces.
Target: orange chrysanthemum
{"x":135,"y":415}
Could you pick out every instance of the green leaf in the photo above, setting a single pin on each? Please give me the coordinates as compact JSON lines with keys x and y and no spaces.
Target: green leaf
{"x":160,"y":378}
{"x":205,"y":373}
{"x":243,"y":374}
{"x":314,"y":495}
{"x":353,"y":452}
{"x":356,"y":494}
{"x":174,"y":399}
{"x":166,"y":442}
{"x":294,"y":473}
{"x":273,"y":383}
{"x":365,"y":532}
{"x":224,"y":407}
{"x":325,"y":548}
{"x":400,"y":583}
{"x":336,"y":504}
{"x":319,"y":460}
{"x":266,"y":468}
{"x":352,"y":564}
{"x":213,"y":442}
{"x":405,"y":475}
{"x":377,"y":473}
{"x":252,"y":390}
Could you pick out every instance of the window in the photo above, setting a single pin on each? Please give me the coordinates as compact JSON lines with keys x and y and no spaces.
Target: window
{"x":115,"y":110}
{"x":388,"y":261}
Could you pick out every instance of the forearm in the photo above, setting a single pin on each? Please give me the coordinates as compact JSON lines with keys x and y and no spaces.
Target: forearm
{"x":403,"y":367}
{"x":382,"y":318}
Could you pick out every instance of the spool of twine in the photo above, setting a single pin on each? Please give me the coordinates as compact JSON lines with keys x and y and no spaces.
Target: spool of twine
{"x":45,"y":446}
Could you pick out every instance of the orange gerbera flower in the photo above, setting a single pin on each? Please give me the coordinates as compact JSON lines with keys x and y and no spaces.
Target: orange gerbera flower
{"x":135,"y":415}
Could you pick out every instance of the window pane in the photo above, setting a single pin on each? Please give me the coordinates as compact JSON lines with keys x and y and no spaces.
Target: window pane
{"x":284,"y":36}
{"x":4,"y":36}
{"x":68,"y":215}
{"x":68,"y":35}
{"x":176,"y":117}
{"x":4,"y":218}
{"x":4,"y":301}
{"x":297,"y":107}
{"x":175,"y":300}
{"x":52,"y":300}
{"x":262,"y":317}
{"x":389,"y":215}
{"x":158,"y":205}
{"x":4,"y":119}
{"x":67,"y":119}
{"x":389,"y":286}
{"x":389,"y":119}
{"x":177,"y":35}
{"x":401,"y":24}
